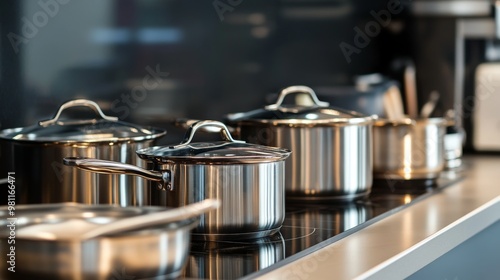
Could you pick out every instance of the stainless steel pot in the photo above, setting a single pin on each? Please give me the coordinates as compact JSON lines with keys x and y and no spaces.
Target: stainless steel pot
{"x":248,"y":179}
{"x":148,"y":252}
{"x":34,"y":153}
{"x":408,"y":149}
{"x":233,"y":259}
{"x":332,"y":148}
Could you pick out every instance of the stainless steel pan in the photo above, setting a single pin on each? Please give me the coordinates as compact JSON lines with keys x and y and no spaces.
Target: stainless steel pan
{"x":158,"y":250}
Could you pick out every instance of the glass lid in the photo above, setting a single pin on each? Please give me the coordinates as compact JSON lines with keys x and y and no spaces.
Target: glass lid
{"x":307,"y":111}
{"x":217,"y":152}
{"x":104,"y":129}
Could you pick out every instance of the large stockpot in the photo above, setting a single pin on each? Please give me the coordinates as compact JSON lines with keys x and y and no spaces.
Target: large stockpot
{"x":159,"y":250}
{"x":408,"y":151}
{"x":332,"y":148}
{"x":34,"y":153}
{"x":248,"y":179}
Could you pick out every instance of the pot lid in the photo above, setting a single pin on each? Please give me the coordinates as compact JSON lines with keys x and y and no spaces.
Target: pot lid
{"x":104,"y":129}
{"x":307,"y":111}
{"x":229,"y":151}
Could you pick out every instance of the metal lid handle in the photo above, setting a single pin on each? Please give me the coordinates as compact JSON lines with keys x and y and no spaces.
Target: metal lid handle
{"x":297,"y":89}
{"x":77,"y":103}
{"x":226,"y":135}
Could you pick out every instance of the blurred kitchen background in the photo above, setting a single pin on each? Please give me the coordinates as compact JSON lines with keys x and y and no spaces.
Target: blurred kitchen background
{"x":151,"y":61}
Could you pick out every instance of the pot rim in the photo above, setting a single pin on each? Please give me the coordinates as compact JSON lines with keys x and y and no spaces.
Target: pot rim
{"x":228,"y":151}
{"x":307,"y":123}
{"x":40,"y":213}
{"x":308,"y":114}
{"x":410,"y":122}
{"x":98,"y":129}
{"x":154,"y":134}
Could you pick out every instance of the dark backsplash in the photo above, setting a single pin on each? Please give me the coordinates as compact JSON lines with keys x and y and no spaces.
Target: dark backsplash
{"x":150,"y":61}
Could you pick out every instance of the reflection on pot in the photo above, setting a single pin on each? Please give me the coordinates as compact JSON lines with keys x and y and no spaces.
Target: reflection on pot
{"x":233,"y":259}
{"x":308,"y":226}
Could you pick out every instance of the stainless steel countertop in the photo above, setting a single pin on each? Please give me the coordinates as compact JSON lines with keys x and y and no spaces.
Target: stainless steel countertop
{"x":407,"y":240}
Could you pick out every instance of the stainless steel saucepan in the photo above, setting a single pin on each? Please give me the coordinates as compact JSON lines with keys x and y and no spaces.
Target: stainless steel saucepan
{"x":248,"y":179}
{"x":34,"y":153}
{"x":409,"y":151}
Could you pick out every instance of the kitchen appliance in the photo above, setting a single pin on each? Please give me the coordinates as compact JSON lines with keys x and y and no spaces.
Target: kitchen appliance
{"x":486,"y":117}
{"x":307,"y":228}
{"x":332,"y":148}
{"x":35,"y":154}
{"x":52,"y":241}
{"x":248,"y":179}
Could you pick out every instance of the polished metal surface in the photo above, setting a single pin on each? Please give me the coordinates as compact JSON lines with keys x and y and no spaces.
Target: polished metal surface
{"x":408,"y":151}
{"x":308,"y":111}
{"x":97,"y":129}
{"x":331,"y":148}
{"x":252,"y":198}
{"x":35,"y":154}
{"x":148,"y":252}
{"x":326,"y":162}
{"x":42,"y":177}
{"x":233,"y":259}
{"x":228,"y":151}
{"x":401,"y":243}
{"x":252,"y":195}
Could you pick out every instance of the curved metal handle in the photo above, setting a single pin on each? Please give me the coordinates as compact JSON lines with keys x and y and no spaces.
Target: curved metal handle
{"x":113,"y":167}
{"x":76,"y":103}
{"x":297,"y":89}
{"x":226,"y":135}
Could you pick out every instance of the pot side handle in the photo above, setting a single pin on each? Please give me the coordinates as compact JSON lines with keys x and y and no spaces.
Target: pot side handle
{"x":113,"y":167}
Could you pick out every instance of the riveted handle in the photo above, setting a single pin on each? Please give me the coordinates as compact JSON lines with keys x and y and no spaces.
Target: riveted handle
{"x":112,"y":167}
{"x":77,"y":103}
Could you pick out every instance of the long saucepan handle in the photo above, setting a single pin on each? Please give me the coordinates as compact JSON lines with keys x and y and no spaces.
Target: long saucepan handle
{"x":113,"y":167}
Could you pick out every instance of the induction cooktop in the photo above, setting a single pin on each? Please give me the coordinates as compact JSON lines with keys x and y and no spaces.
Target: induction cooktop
{"x":307,"y":228}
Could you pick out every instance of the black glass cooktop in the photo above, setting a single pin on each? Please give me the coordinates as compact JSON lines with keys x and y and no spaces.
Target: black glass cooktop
{"x":307,"y":227}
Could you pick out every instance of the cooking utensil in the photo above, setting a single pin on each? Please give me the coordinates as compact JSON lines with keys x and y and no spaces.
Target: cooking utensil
{"x":248,"y":179}
{"x":430,"y":105}
{"x":88,"y":230}
{"x":410,"y":84}
{"x":408,"y":150}
{"x":332,"y":148}
{"x":34,"y":153}
{"x":393,"y":105}
{"x":158,"y":250}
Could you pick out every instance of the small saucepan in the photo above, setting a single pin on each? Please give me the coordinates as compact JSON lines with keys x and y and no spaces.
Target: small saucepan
{"x":408,"y":153}
{"x":248,"y":179}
